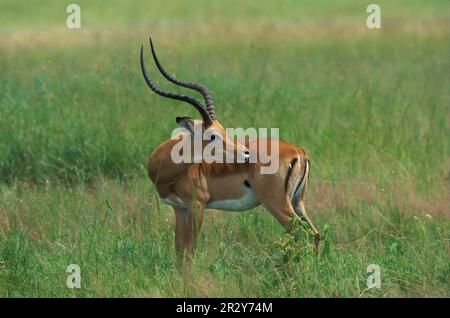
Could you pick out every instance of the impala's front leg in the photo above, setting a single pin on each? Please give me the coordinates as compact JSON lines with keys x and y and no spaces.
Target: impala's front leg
{"x":180,"y":235}
{"x":193,"y":225}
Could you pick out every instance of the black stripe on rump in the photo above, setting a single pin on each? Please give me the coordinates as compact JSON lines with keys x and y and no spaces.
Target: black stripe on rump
{"x":288,"y":175}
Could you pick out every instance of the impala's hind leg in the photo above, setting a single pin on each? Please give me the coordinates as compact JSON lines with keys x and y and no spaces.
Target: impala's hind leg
{"x":301,"y":211}
{"x":284,"y":212}
{"x":297,"y":202}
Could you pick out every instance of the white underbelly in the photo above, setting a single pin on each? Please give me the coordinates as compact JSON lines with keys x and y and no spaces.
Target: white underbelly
{"x":246,"y":202}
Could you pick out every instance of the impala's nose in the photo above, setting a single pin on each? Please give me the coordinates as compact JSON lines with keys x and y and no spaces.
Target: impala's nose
{"x":247,"y":156}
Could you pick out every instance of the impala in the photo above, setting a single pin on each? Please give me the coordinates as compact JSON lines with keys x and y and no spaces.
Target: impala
{"x":191,"y":187}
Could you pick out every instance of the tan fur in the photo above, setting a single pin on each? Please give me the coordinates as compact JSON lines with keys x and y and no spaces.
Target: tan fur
{"x":200,"y":183}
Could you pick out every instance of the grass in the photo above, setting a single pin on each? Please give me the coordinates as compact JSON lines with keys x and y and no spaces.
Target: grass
{"x":77,"y":124}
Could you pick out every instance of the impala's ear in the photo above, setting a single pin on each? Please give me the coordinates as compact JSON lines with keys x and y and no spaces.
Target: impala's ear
{"x":187,"y":123}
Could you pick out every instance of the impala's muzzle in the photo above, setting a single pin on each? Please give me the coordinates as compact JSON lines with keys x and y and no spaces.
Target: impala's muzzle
{"x":247,"y":156}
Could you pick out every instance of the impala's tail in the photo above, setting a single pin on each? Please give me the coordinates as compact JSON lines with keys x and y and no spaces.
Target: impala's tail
{"x":297,"y":181}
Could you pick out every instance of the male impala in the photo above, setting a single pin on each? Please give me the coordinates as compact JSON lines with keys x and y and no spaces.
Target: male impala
{"x":191,"y":187}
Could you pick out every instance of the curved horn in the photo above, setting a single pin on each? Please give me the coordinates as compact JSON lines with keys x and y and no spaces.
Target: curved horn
{"x":188,"y":99}
{"x":199,"y":88}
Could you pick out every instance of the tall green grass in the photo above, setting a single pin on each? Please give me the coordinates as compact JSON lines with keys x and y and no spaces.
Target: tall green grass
{"x":124,"y":245}
{"x":359,"y":109}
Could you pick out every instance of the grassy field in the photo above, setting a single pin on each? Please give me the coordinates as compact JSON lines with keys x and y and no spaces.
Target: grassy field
{"x":77,"y":124}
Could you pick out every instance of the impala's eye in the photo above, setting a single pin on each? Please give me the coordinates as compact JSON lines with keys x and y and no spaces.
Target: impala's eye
{"x":213,"y":137}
